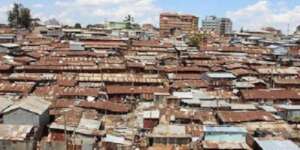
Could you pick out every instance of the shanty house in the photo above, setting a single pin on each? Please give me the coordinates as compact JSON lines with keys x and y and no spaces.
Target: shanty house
{"x":151,"y":119}
{"x":54,"y":31}
{"x":87,"y":131}
{"x":224,"y":133}
{"x":224,"y":137}
{"x":271,"y":96}
{"x":288,"y":112}
{"x":116,"y":142}
{"x":81,"y":128}
{"x":120,"y":138}
{"x":198,"y":117}
{"x":169,"y":134}
{"x":4,"y":104}
{"x":10,"y":48}
{"x":76,"y":46}
{"x":17,"y":137}
{"x":7,"y":38}
{"x":275,"y":145}
{"x":30,"y":111}
{"x":219,"y":78}
{"x":231,"y":117}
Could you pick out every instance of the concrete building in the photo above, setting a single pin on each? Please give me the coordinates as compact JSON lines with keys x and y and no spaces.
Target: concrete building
{"x":29,"y":111}
{"x":124,"y":29}
{"x":173,"y":24}
{"x":220,"y":26}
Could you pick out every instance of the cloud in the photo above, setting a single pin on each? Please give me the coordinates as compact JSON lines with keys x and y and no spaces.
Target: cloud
{"x":38,"y":5}
{"x":97,"y":11}
{"x":263,"y":13}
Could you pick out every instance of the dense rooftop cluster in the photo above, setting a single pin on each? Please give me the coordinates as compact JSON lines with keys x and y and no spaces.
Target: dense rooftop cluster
{"x":94,"y":89}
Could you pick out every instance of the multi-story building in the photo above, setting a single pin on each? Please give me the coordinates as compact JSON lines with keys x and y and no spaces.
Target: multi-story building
{"x":172,"y":24}
{"x":220,"y":26}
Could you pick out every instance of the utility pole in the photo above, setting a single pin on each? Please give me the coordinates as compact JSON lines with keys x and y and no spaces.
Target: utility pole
{"x":74,"y":134}
{"x":65,"y":130}
{"x":17,"y":21}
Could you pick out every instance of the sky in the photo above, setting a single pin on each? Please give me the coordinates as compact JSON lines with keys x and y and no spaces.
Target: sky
{"x":246,"y":14}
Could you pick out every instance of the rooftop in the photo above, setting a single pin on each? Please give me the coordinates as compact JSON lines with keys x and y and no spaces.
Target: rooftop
{"x":218,"y":75}
{"x":224,"y":129}
{"x":277,"y":144}
{"x":15,"y":132}
{"x":31,"y":103}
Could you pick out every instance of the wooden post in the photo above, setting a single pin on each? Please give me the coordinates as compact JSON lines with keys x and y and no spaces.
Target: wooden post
{"x":65,"y":131}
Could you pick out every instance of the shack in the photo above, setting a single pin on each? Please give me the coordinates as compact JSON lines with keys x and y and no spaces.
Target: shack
{"x":31,"y":110}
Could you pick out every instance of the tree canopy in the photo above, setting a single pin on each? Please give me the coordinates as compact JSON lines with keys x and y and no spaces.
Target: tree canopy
{"x":129,"y":18}
{"x":196,"y":39}
{"x":296,"y":119}
{"x":77,"y":26}
{"x":19,"y":16}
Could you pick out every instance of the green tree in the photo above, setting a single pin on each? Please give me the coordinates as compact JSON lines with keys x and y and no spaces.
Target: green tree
{"x":13,"y":15}
{"x":19,"y":16}
{"x":129,"y":21}
{"x":25,"y":16}
{"x":296,"y":119}
{"x":242,"y":30}
{"x":77,"y":26}
{"x":129,"y":18}
{"x":196,"y":39}
{"x":89,"y":26}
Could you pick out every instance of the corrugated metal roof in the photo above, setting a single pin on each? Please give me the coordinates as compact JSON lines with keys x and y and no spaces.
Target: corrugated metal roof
{"x":191,"y":101}
{"x":31,"y":103}
{"x":278,"y":70}
{"x":14,"y":132}
{"x":243,"y":85}
{"x":249,"y":116}
{"x":277,"y":145}
{"x":228,"y":129}
{"x":154,"y":114}
{"x":187,"y":95}
{"x":201,"y":94}
{"x":88,"y":126}
{"x":268,"y":108}
{"x":10,"y":45}
{"x":214,"y":104}
{"x":224,"y":145}
{"x":194,"y":94}
{"x":270,"y":94}
{"x":169,"y":131}
{"x":220,"y":75}
{"x":116,"y":139}
{"x":243,"y":107}
{"x":289,"y":107}
{"x":5,"y":102}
